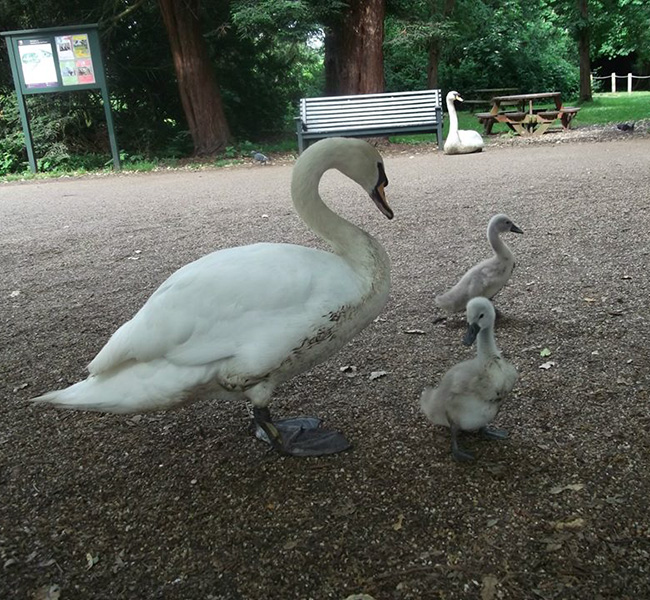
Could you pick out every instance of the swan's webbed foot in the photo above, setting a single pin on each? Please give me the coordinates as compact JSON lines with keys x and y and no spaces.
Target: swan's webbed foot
{"x":299,"y":436}
{"x":492,"y":433}
{"x":459,"y":454}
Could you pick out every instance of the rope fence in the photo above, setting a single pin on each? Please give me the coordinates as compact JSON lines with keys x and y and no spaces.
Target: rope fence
{"x":613,"y":77}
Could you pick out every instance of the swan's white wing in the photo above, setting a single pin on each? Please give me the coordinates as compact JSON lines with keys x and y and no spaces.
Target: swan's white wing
{"x":251,"y":305}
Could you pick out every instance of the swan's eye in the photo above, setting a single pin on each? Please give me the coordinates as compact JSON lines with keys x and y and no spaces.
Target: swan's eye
{"x":481,"y":316}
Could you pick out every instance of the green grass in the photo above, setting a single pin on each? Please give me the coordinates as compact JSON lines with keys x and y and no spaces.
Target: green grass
{"x":603,"y":109}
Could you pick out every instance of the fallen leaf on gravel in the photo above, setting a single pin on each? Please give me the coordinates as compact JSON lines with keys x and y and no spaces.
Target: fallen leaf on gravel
{"x":492,"y":522}
{"x":415,"y":331}
{"x":576,"y":487}
{"x":615,"y":500}
{"x":22,"y":386}
{"x":377,"y":374}
{"x":291,"y":544}
{"x":548,"y":365}
{"x":359,"y":597}
{"x":590,"y":299}
{"x":46,"y":563}
{"x":398,"y":524}
{"x":554,"y":547}
{"x":47,"y":592}
{"x":14,"y":294}
{"x":349,"y":370}
{"x":578,"y":523}
{"x":626,"y":277}
{"x":91,"y":560}
{"x":545,"y":352}
{"x":489,"y":587}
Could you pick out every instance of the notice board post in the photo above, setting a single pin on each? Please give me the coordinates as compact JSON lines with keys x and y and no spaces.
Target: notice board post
{"x":57,"y":59}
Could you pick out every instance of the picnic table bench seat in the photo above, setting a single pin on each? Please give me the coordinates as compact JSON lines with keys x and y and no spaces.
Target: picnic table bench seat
{"x":370,"y":115}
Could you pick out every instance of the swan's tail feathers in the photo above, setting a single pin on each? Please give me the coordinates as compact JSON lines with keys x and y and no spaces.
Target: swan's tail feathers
{"x":432,"y":407}
{"x":87,"y":395}
{"x":142,"y":387}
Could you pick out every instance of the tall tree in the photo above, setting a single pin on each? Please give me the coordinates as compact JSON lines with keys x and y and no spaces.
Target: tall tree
{"x":354,"y":58}
{"x":197,"y":83}
{"x":441,"y":15}
{"x":584,"y":50}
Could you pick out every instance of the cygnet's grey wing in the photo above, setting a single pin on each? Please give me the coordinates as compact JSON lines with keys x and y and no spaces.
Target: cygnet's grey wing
{"x":478,"y":281}
{"x":435,"y":402}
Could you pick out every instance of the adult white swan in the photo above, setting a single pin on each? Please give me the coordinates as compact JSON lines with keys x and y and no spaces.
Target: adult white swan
{"x":243,"y":320}
{"x":461,"y":141}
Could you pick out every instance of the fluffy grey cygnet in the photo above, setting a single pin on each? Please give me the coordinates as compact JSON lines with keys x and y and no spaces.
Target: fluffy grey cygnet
{"x":488,"y":277}
{"x":470,"y":394}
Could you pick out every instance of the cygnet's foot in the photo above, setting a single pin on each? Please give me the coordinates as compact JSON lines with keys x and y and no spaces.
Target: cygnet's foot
{"x":492,"y":433}
{"x":458,"y":454}
{"x":299,"y":436}
{"x":461,"y":455}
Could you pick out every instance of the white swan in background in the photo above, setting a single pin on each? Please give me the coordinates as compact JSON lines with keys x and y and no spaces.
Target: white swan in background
{"x":487,"y":277}
{"x":463,"y":141}
{"x":243,"y":320}
{"x":470,"y":394}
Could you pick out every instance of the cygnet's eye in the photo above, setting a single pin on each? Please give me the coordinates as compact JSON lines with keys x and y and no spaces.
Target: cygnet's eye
{"x":481,"y":316}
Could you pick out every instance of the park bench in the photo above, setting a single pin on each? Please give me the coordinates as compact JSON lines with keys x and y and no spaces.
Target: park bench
{"x":369,"y":115}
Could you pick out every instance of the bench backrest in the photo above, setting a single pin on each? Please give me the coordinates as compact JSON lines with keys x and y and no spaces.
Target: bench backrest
{"x":362,"y":111}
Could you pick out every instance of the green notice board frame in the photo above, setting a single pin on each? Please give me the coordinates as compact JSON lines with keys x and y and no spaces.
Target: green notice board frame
{"x":58,"y":59}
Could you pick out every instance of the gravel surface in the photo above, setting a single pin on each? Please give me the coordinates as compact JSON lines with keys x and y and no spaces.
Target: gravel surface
{"x":188,"y":505}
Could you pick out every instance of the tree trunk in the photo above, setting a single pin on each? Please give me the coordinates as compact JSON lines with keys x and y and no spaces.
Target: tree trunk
{"x":434,"y":61}
{"x":435,"y":44}
{"x":354,"y":56}
{"x":583,"y":51}
{"x":196,"y":80}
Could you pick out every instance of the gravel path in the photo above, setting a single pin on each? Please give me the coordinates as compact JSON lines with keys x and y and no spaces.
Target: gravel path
{"x":187,"y":505}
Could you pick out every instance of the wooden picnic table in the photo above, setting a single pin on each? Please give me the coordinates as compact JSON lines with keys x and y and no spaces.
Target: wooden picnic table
{"x":528,"y":120}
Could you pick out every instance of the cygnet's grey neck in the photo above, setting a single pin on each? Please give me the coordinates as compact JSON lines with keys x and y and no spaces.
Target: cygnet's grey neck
{"x":486,"y":345}
{"x":498,"y":245}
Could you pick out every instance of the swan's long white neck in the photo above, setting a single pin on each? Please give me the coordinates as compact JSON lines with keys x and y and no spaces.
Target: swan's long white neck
{"x":486,"y":345}
{"x":498,"y":245}
{"x":453,"y":117}
{"x":357,"y":247}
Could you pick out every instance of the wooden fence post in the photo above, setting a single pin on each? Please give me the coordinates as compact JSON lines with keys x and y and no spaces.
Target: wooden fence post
{"x":629,"y":83}
{"x":613,"y":82}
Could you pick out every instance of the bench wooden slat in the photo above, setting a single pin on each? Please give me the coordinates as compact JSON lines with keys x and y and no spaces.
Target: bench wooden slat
{"x":370,"y":114}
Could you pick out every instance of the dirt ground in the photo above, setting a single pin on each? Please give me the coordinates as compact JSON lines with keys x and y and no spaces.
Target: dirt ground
{"x":188,"y":505}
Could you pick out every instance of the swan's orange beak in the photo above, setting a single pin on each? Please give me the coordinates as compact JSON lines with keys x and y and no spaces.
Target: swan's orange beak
{"x":379,"y":198}
{"x":378,"y":194}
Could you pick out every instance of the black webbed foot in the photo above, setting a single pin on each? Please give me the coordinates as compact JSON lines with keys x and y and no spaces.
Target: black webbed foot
{"x":492,"y":433}
{"x":458,"y":453}
{"x":299,"y":436}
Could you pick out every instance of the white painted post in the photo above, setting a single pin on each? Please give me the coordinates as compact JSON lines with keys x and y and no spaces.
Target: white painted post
{"x":629,"y":83}
{"x":613,"y":82}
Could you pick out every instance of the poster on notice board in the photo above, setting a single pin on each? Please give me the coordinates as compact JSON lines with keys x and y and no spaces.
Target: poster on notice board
{"x":75,"y":61}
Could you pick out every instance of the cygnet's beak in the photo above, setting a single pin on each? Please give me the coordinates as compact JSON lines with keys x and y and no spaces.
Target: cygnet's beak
{"x":472,"y":332}
{"x":515,"y":229}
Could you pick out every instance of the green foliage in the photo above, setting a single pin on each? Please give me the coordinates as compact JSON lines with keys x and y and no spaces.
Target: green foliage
{"x":486,"y":44}
{"x":268,"y":53}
